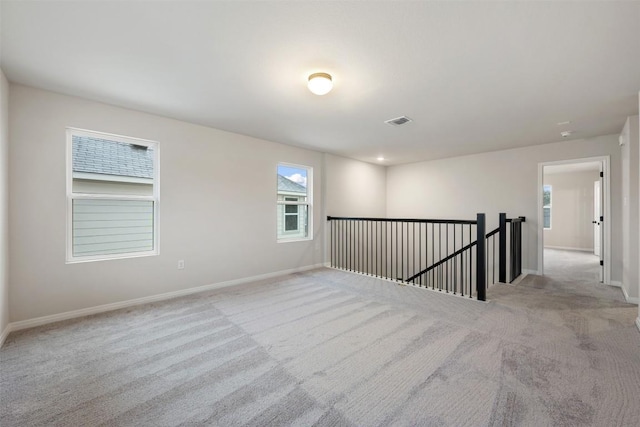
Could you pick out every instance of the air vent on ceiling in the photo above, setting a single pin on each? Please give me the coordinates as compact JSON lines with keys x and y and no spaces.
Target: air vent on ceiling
{"x":398,"y":121}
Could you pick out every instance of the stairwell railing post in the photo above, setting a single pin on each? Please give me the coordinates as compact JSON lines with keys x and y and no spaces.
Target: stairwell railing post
{"x":502,"y":249}
{"x":481,"y":262}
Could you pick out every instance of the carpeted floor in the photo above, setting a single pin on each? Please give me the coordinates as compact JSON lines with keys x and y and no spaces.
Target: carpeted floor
{"x":333,"y":348}
{"x":575,"y":272}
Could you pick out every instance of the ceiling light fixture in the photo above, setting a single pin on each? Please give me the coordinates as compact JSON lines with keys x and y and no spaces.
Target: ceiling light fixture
{"x":398,"y":121}
{"x":320,"y":83}
{"x":380,"y":158}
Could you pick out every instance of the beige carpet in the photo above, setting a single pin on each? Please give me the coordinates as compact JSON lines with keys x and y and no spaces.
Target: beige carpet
{"x":333,"y":348}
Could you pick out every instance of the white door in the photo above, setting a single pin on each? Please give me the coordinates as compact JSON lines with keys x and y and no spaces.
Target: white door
{"x":596,"y":218}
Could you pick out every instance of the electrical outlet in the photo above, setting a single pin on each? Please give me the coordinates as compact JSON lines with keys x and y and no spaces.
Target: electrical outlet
{"x":180,"y":264}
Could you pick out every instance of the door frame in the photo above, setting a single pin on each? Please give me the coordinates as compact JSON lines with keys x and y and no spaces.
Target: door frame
{"x":597,"y":190}
{"x":605,"y":161}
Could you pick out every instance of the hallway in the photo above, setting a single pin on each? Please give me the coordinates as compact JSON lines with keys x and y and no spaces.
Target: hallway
{"x":573,"y":272}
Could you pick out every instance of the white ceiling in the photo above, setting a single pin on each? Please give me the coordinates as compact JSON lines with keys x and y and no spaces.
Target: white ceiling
{"x":473,"y":76}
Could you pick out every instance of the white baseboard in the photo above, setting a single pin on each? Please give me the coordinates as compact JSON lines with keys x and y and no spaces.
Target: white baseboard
{"x":615,"y":283}
{"x":38,"y":321}
{"x":567,"y":248}
{"x":630,"y":300}
{"x":5,"y":334}
{"x":525,"y":272}
{"x":519,"y":279}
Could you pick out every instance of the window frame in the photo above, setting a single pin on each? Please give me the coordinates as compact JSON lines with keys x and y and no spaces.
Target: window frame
{"x":549,"y":206}
{"x":308,"y":203}
{"x":71,"y":196}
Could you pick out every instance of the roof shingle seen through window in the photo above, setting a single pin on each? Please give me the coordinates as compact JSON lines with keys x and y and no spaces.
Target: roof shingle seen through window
{"x":106,"y":157}
{"x":285,"y":184}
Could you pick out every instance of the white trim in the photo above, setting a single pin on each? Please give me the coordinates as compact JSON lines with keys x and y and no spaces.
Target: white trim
{"x":112,"y":178}
{"x":606,"y":167}
{"x":519,"y":279}
{"x":566,"y":248}
{"x":616,"y":283}
{"x":627,"y":298}
{"x":98,"y":134}
{"x":39,"y":321}
{"x":326,"y":228}
{"x":5,"y":334}
{"x":526,"y":272}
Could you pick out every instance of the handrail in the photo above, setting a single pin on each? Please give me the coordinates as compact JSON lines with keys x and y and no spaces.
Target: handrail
{"x":491,"y":233}
{"x":442,"y":261}
{"x":414,"y":220}
{"x":453,"y":255}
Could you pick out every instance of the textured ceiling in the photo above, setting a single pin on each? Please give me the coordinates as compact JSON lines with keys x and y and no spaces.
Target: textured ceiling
{"x":473,"y":76}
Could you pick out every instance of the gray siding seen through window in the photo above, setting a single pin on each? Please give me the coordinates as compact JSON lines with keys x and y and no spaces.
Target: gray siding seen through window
{"x":102,"y":227}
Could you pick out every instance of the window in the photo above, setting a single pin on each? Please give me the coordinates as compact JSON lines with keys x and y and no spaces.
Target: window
{"x":294,"y":202}
{"x":546,"y":206}
{"x":112,"y":196}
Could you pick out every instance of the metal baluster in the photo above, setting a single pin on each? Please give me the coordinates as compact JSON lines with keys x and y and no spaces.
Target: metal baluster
{"x":420,"y":253}
{"x":455,"y":284}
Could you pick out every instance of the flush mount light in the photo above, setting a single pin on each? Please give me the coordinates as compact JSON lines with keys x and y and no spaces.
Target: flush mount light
{"x":398,"y":121}
{"x":320,"y":83}
{"x":380,"y":158}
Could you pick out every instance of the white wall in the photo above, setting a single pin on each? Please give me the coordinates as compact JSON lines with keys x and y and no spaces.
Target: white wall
{"x":629,"y":153}
{"x":501,"y":181}
{"x":638,"y":218}
{"x":355,"y":188}
{"x":571,"y":210}
{"x":217,"y":207}
{"x":4,"y":201}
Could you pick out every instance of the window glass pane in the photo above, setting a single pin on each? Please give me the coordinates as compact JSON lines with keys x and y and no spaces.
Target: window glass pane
{"x":546,"y":195}
{"x":292,"y":182}
{"x":546,"y":203}
{"x":291,"y":223}
{"x":547,"y":217}
{"x":103,"y":227}
{"x":102,"y":166}
{"x":291,"y":209}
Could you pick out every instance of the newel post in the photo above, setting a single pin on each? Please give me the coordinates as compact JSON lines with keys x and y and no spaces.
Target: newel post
{"x":502,"y":249}
{"x":481,"y":261}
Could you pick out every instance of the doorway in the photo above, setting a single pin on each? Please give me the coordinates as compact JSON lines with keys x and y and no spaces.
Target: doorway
{"x":573,"y":230}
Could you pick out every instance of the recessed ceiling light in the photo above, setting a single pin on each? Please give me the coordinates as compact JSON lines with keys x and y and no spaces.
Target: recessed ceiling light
{"x":380,"y":158}
{"x":320,"y":83}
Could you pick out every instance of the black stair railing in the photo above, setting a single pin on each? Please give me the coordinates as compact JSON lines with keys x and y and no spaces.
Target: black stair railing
{"x":439,"y":254}
{"x":395,"y":249}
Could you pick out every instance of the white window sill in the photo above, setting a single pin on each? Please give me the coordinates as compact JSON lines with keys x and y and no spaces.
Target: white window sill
{"x":294,"y":239}
{"x":79,"y":260}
